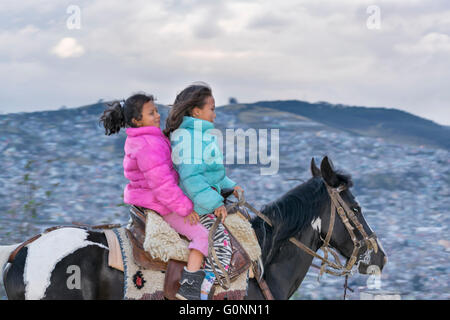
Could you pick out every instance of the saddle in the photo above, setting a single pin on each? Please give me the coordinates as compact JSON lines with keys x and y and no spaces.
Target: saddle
{"x":240,"y":260}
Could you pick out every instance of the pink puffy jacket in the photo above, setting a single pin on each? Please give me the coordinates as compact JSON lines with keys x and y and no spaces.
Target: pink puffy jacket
{"x":153,"y":180}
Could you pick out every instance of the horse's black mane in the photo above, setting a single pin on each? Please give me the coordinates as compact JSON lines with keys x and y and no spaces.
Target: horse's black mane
{"x":294,"y":211}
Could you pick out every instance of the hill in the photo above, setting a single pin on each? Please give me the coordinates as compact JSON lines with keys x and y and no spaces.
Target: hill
{"x":57,"y":167}
{"x":392,"y":124}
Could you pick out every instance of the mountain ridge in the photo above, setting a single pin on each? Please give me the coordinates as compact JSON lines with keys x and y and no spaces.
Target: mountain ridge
{"x":389,"y":123}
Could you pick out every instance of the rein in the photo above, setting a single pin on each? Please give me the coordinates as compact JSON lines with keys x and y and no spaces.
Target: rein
{"x":224,"y":281}
{"x":346,"y":215}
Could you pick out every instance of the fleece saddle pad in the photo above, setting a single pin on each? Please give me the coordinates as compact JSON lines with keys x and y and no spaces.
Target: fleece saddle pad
{"x":148,"y":284}
{"x":164,"y":243}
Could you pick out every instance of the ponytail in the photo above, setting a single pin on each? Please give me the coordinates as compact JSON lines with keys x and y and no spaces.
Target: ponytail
{"x":118,"y":116}
{"x":113,"y":118}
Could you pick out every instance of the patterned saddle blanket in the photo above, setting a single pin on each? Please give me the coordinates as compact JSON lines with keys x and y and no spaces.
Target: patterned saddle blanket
{"x":151,"y":283}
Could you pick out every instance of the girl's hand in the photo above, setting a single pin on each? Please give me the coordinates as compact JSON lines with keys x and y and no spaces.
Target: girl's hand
{"x":221,"y":212}
{"x":236,"y":188}
{"x":193,"y":218}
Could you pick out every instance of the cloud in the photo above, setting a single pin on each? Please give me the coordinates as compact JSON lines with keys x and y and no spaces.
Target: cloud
{"x":68,"y":48}
{"x":430,"y":43}
{"x":253,"y":50}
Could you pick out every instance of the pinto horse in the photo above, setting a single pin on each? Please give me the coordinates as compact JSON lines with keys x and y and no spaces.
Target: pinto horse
{"x":44,"y":269}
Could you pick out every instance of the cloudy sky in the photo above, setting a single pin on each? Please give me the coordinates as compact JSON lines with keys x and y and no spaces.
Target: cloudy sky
{"x":392,"y":53}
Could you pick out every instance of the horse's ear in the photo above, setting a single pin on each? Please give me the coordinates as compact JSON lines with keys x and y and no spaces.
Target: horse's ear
{"x":328,"y":174}
{"x":314,"y":170}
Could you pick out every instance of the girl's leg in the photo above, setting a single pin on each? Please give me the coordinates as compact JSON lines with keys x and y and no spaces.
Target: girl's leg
{"x":192,"y":277}
{"x":195,"y":260}
{"x":198,"y":235}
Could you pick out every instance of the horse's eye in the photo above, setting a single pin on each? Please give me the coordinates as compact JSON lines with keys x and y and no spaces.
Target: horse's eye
{"x":356,"y":209}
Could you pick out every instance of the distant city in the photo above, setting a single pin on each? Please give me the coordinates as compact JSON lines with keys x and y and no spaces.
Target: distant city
{"x":58,"y":167}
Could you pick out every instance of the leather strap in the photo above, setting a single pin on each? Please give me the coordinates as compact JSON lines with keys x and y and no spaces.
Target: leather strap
{"x":224,"y":281}
{"x":262,"y":283}
{"x":13,"y":254}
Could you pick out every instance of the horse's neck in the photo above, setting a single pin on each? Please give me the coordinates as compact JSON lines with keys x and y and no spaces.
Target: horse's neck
{"x":288,"y":267}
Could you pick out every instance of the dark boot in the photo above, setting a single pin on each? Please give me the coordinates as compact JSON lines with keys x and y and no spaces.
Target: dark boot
{"x":191,"y":283}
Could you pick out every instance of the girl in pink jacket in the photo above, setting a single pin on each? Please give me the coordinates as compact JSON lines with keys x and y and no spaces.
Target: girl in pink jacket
{"x":153,"y":182}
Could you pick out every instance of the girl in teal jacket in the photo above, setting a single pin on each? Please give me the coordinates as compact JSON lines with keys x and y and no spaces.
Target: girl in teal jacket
{"x":202,"y":172}
{"x":199,"y":163}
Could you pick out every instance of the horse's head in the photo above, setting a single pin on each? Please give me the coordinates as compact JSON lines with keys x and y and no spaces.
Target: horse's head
{"x":370,"y":249}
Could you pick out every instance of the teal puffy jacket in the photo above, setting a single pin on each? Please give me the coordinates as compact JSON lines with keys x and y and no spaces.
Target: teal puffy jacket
{"x":199,"y":162}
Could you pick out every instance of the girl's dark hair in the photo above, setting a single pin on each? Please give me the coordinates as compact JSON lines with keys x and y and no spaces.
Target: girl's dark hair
{"x":117,"y":116}
{"x":191,"y":97}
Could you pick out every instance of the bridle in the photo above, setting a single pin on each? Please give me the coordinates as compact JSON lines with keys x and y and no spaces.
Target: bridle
{"x":347,"y":217}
